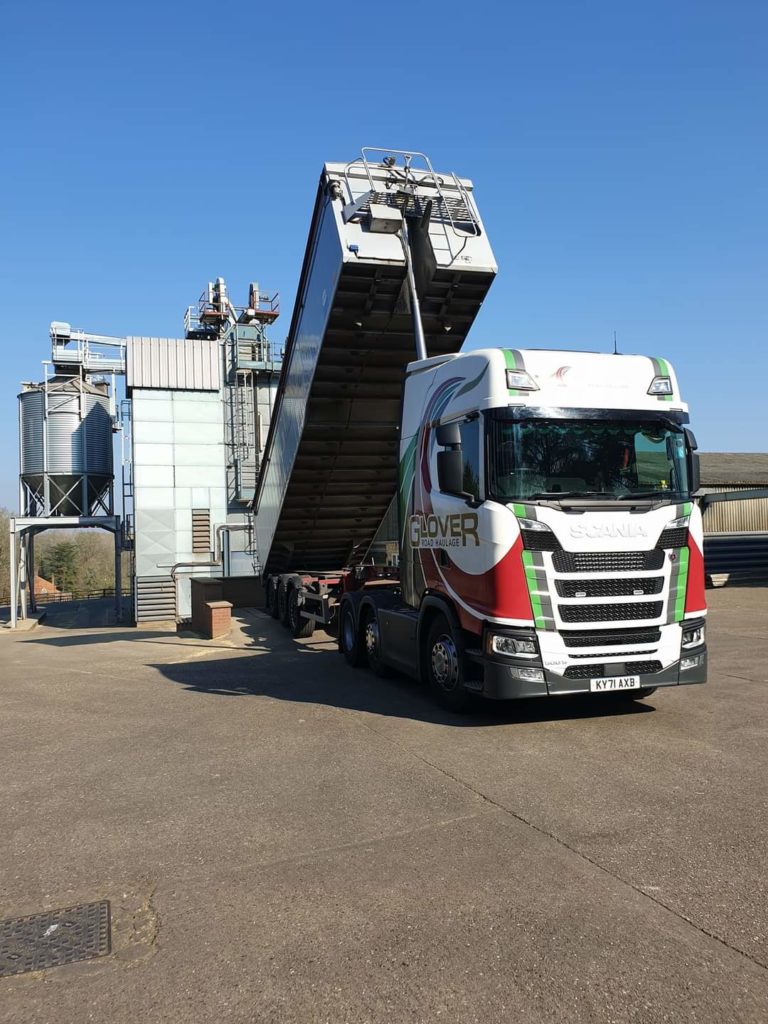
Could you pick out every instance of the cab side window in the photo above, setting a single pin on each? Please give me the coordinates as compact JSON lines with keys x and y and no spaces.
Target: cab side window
{"x":470,"y":453}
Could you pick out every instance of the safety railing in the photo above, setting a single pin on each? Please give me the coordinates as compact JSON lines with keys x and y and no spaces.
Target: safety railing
{"x":408,"y":178}
{"x":64,"y":597}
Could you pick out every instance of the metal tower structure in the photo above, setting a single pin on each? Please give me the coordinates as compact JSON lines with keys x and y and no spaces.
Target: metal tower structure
{"x":251,"y":367}
{"x":66,"y":479}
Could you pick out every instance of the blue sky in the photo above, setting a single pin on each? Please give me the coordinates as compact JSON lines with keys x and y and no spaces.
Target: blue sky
{"x":618,"y":150}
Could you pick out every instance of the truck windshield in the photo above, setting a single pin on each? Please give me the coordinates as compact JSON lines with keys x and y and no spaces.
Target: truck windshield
{"x":581,"y":458}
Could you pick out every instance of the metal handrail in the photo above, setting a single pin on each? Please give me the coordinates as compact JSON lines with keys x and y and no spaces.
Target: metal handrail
{"x":436,"y":181}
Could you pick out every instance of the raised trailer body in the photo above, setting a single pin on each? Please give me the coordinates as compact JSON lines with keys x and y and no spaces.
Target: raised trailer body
{"x":331,"y":457}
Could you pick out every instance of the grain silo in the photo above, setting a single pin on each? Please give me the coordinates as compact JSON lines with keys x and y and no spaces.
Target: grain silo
{"x":65,"y":442}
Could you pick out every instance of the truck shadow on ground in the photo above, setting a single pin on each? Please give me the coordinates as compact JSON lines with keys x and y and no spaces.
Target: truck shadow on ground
{"x":313,"y":672}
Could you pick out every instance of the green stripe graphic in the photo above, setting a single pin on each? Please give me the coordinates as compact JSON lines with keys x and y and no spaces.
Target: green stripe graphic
{"x":661,"y":369}
{"x":536,"y":578}
{"x":682,"y":584}
{"x":514,"y":361}
{"x":678,"y":584}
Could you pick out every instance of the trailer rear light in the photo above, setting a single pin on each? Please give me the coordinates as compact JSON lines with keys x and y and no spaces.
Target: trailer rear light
{"x":660,"y":386}
{"x":520,"y":380}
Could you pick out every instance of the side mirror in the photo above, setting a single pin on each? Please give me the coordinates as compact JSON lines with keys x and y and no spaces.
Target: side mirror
{"x":694,"y":462}
{"x":448,"y":434}
{"x":694,"y":471}
{"x":450,"y":471}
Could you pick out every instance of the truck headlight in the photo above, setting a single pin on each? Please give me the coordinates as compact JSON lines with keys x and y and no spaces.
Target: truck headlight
{"x":534,"y":524}
{"x":501,"y":644}
{"x":693,"y":637}
{"x":679,"y":524}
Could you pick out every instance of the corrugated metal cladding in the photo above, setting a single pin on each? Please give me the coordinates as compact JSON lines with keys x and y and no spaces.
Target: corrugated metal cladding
{"x":173,"y":364}
{"x":749,"y":516}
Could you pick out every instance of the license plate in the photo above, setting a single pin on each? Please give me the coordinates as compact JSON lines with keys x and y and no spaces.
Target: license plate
{"x":614,"y":683}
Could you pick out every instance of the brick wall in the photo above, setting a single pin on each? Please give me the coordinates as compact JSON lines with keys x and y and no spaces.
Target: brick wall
{"x":219,"y":619}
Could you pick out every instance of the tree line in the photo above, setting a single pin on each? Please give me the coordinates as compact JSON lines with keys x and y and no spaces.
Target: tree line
{"x":75,"y":561}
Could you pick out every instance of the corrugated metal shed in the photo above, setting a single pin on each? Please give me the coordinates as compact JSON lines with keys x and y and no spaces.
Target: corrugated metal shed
{"x":173,"y":364}
{"x":750,"y":516}
{"x":735,"y":471}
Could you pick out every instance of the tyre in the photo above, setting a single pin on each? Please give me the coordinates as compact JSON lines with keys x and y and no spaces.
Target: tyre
{"x":349,"y":638}
{"x":272,"y":589}
{"x":642,"y":693}
{"x":269,"y":596}
{"x":372,"y":644}
{"x":444,"y":667}
{"x":298,"y":625}
{"x":282,"y":603}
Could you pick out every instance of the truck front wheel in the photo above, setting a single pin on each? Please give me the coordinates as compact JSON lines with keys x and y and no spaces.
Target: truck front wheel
{"x":349,"y":638}
{"x":444,"y":666}
{"x":642,"y":693}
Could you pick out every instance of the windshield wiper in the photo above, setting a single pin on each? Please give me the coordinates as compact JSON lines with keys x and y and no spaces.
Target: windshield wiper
{"x":569,"y":494}
{"x":673,"y":495}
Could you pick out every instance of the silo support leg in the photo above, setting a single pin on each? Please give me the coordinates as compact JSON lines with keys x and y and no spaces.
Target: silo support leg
{"x":14,"y":567}
{"x":31,"y":570}
{"x":118,"y":579}
{"x":23,"y":574}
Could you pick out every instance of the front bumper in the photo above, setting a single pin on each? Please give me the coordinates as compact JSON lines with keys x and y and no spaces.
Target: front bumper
{"x":499,"y":682}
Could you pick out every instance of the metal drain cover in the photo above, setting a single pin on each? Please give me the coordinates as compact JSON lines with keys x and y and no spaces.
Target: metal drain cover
{"x":58,"y":937}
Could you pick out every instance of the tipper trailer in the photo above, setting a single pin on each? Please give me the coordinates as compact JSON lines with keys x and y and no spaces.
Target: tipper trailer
{"x":547,"y":540}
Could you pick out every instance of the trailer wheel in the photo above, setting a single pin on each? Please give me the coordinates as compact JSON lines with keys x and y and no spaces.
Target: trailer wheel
{"x":299,"y":627}
{"x":444,"y":666}
{"x":282,"y":603}
{"x":349,"y":638}
{"x":269,"y":596}
{"x":372,"y":643}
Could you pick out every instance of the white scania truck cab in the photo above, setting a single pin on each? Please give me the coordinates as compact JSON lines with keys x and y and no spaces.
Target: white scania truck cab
{"x":549,"y":543}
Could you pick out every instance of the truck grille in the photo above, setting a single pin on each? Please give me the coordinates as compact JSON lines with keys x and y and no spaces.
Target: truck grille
{"x":619,"y":587}
{"x":630,"y":668}
{"x":610,"y":612}
{"x":673,"y":538}
{"x":540,"y":540}
{"x":609,"y":637}
{"x":607,"y":561}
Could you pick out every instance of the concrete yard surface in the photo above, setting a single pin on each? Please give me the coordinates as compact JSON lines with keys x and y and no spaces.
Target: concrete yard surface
{"x":285,"y":839}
